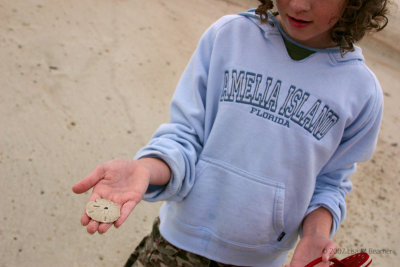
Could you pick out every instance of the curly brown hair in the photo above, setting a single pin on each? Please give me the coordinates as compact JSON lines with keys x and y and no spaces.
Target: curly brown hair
{"x":359,"y":17}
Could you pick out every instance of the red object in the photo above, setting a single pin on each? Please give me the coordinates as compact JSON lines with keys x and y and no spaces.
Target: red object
{"x":357,"y":260}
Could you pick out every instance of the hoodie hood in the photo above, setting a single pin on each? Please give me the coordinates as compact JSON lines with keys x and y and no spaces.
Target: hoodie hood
{"x":273,"y":23}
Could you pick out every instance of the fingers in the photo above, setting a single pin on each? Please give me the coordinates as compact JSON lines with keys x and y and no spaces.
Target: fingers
{"x":126,"y":209}
{"x":92,"y":227}
{"x":329,"y":251}
{"x":85,"y":219}
{"x":89,"y":181}
{"x":103,"y":227}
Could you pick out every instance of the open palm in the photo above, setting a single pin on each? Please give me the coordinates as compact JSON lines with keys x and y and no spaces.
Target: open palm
{"x":124,"y":182}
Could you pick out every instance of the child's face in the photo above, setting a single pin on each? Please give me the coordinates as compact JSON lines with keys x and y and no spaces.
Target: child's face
{"x":309,"y":22}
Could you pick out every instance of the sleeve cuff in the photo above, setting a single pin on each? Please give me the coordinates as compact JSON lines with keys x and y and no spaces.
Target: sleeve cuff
{"x":156,"y":192}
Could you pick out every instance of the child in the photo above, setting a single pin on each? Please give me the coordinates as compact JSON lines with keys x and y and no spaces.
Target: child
{"x":267,"y":124}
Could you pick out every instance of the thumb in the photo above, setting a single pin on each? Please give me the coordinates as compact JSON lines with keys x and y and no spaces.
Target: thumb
{"x":89,"y":181}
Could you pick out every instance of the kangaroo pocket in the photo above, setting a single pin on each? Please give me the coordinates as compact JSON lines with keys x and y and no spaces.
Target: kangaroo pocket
{"x":234,"y":206}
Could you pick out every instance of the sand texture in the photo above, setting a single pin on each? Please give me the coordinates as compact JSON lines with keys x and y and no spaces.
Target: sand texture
{"x":83,"y":82}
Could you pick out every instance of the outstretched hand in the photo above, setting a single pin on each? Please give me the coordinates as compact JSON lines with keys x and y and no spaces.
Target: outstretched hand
{"x":124,"y":182}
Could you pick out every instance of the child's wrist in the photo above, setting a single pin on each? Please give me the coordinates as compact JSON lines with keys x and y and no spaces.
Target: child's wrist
{"x":159,"y":172}
{"x":318,"y":223}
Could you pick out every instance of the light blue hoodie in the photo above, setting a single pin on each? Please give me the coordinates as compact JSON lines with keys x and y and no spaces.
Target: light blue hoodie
{"x":256,"y":141}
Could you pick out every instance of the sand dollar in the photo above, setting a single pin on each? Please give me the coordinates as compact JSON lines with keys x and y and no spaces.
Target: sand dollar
{"x":103,"y":210}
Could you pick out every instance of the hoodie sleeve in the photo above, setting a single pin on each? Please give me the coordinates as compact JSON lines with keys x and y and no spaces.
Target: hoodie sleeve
{"x":179,"y":142}
{"x":358,"y":144}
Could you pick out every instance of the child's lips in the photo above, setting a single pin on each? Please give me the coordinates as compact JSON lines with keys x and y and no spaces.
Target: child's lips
{"x":297,"y":22}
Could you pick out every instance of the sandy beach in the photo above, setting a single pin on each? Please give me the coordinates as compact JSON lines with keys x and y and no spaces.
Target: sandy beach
{"x":83,"y":82}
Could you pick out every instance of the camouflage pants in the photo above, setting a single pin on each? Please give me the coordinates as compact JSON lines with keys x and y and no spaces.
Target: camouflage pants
{"x":155,"y":251}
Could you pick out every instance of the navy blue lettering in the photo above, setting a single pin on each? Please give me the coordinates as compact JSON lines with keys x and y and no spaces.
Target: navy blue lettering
{"x":237,"y":82}
{"x":297,"y":114}
{"x":288,"y":97}
{"x":272,"y":102}
{"x":244,"y":87}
